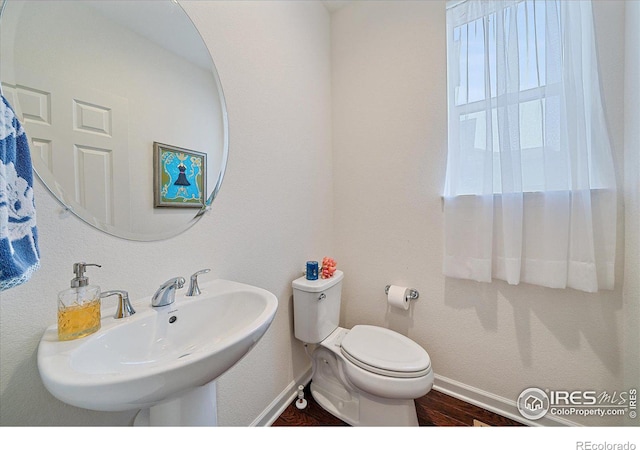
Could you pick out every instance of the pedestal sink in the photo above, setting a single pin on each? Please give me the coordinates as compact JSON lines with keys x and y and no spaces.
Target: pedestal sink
{"x":163,"y":361}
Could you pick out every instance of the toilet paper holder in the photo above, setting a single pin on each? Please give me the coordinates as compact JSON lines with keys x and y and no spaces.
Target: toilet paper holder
{"x":412,"y":293}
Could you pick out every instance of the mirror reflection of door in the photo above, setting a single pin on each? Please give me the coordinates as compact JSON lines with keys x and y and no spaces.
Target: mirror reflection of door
{"x":95,"y":84}
{"x":87,"y":149}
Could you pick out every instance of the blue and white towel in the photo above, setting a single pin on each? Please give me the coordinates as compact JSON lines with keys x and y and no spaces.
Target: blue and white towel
{"x":19,"y":253}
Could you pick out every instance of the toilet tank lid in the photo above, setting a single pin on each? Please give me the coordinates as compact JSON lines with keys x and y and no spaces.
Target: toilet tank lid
{"x":318,"y":285}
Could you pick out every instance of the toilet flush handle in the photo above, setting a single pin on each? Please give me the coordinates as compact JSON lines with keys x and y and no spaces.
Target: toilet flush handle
{"x":322,"y":296}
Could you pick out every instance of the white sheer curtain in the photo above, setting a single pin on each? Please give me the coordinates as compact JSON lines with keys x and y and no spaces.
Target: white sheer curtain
{"x":530,"y":188}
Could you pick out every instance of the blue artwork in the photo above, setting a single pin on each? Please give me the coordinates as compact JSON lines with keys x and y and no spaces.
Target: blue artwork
{"x":180,"y":177}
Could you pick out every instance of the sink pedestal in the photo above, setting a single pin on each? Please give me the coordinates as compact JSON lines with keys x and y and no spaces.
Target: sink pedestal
{"x":196,"y":408}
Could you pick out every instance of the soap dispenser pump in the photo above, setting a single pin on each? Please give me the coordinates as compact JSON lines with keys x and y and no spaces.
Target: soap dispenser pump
{"x":79,"y":306}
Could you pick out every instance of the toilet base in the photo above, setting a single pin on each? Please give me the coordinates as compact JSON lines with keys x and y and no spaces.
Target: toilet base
{"x":352,"y":405}
{"x":364,"y":410}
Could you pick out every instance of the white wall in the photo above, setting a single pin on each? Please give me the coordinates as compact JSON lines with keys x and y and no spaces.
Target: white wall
{"x":273,"y":213}
{"x":631,"y":292}
{"x":389,"y":143}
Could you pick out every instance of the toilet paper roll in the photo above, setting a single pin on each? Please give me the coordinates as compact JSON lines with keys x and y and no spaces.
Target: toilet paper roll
{"x":398,"y":296}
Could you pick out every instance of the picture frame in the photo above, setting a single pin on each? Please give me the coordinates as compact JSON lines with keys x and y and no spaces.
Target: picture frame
{"x":179,"y":177}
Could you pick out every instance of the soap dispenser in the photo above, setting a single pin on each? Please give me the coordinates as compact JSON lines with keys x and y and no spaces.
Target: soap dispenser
{"x":79,"y":306}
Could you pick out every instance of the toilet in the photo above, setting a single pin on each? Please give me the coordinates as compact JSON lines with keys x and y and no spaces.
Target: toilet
{"x":365,"y":376}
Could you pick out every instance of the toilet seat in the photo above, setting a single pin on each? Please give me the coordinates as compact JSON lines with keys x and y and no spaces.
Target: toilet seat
{"x":385,"y":352}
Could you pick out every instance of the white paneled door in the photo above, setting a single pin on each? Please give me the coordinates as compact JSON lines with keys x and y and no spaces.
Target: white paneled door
{"x":81,"y":135}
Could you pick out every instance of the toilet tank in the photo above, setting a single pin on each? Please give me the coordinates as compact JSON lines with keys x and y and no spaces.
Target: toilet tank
{"x":316,"y":307}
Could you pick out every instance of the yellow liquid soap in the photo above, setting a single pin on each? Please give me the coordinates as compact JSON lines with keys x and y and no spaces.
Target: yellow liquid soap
{"x":77,"y":321}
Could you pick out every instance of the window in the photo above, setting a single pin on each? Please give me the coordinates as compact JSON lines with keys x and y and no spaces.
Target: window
{"x":476,"y":92}
{"x":506,"y":109}
{"x":525,"y":116}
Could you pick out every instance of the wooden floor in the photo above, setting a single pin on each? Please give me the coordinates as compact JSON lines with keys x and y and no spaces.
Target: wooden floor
{"x":434,"y":409}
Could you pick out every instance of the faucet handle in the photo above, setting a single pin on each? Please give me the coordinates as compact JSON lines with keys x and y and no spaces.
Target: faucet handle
{"x":194,"y":289}
{"x":124,"y":306}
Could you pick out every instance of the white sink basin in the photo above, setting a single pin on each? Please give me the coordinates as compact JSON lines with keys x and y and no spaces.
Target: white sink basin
{"x":158,"y":354}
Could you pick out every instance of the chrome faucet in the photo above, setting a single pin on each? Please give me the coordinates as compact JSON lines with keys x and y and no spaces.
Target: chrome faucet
{"x":166,"y":294}
{"x":124,"y":306}
{"x":194,"y":289}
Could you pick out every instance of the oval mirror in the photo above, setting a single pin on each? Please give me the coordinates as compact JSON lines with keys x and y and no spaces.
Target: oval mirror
{"x":123,"y":108}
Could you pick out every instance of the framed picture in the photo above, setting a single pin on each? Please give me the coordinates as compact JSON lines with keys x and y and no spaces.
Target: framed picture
{"x":179,"y":177}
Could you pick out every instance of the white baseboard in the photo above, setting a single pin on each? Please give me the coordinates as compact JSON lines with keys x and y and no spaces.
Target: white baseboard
{"x":494,"y":403}
{"x":277,"y":406}
{"x":461,"y":391}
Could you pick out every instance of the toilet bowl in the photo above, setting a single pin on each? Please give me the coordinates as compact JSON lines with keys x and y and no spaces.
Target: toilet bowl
{"x":368,"y":375}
